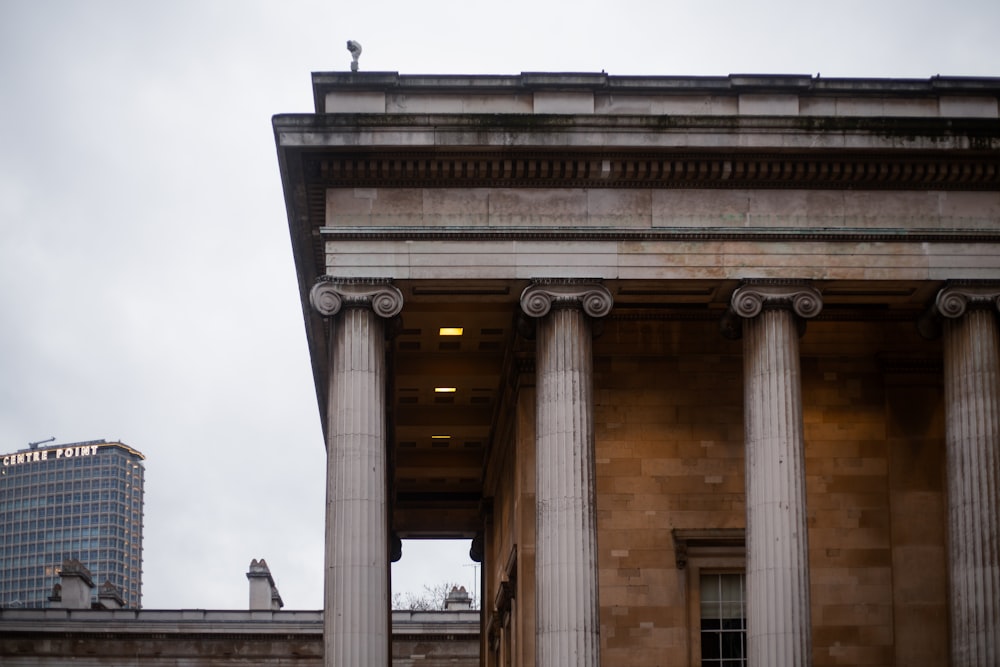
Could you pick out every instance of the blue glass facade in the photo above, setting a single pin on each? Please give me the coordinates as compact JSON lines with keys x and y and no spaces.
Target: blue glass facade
{"x":82,"y":500}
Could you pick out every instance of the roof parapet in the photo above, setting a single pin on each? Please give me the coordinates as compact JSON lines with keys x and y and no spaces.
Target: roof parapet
{"x":391,"y":92}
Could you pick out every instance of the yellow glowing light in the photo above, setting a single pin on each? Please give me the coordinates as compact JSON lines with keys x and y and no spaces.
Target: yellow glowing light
{"x":445,"y":390}
{"x":450,"y":331}
{"x":440,"y":437}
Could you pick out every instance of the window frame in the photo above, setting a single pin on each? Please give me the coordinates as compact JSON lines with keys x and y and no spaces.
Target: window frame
{"x":706,"y":551}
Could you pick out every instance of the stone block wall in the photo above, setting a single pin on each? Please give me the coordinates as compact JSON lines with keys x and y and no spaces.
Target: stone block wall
{"x":669,"y":441}
{"x":670,"y":456}
{"x":850,"y":547}
{"x":508,"y":637}
{"x":874,"y":433}
{"x":918,"y":516}
{"x":668,"y":416}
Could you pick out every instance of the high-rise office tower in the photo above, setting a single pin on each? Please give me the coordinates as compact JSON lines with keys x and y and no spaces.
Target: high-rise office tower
{"x":81,"y":500}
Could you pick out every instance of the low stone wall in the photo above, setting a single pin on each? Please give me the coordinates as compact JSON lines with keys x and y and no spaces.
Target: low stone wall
{"x":200,"y":638}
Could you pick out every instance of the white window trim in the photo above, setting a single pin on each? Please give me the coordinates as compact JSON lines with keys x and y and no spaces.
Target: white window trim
{"x":707,"y":551}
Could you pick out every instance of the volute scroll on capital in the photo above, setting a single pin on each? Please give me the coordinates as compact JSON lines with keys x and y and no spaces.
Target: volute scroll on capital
{"x":328,"y":297}
{"x":750,"y":299}
{"x":593,"y":298}
{"x":954,"y":300}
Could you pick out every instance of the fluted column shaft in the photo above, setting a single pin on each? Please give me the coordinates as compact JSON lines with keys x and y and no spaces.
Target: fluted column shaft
{"x":778,"y":615}
{"x":356,"y":597}
{"x":566,"y":592}
{"x":972,"y":400}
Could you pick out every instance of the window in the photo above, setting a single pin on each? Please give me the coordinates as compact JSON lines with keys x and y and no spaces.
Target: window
{"x":723,"y":620}
{"x":715,"y":561}
{"x":502,"y":624}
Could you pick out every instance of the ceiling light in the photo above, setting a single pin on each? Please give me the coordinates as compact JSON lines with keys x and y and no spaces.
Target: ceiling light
{"x":450,"y":331}
{"x":445,"y":390}
{"x":440,"y":437}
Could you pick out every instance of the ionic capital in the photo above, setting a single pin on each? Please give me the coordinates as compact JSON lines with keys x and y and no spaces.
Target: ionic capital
{"x":329,"y":296}
{"x":954,"y":300}
{"x":751,"y":298}
{"x":540,"y":297}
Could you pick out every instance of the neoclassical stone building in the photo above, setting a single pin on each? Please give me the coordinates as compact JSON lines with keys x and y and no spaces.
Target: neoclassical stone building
{"x":85,"y":631}
{"x":706,"y":366}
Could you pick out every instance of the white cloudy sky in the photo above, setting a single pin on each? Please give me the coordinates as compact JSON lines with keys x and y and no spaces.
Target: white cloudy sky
{"x":147,"y":291}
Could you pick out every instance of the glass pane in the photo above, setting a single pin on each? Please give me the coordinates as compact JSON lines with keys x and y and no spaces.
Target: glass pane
{"x":723,"y":620}
{"x":732,"y":624}
{"x":710,"y":649}
{"x":731,"y":587}
{"x":732,"y":646}
{"x":730,"y":609}
{"x":709,"y":589}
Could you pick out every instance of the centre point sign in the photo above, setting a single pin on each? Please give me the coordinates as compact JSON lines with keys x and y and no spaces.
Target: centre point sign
{"x":32,"y":456}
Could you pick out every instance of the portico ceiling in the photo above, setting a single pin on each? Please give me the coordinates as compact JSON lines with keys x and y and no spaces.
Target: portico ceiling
{"x":444,"y":398}
{"x":440,"y":442}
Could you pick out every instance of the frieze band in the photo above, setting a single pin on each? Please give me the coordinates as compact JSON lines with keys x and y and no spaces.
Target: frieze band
{"x":328,"y":296}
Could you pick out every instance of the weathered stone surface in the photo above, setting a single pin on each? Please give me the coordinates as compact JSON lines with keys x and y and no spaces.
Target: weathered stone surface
{"x":672,"y":191}
{"x":199,"y":638}
{"x":778,"y":607}
{"x":972,"y":399}
{"x":647,"y":208}
{"x":566,"y":586}
{"x":356,"y":597}
{"x":794,"y":95}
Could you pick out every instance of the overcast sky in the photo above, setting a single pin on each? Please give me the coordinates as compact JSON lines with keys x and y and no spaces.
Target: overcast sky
{"x":147,"y":292}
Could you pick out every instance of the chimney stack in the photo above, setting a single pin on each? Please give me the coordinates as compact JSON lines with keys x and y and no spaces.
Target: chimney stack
{"x":109,"y":596}
{"x":458,"y":599}
{"x":73,"y":589}
{"x":263,"y":593}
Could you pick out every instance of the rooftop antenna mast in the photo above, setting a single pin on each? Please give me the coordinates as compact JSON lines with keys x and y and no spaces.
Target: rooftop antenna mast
{"x":34,"y":445}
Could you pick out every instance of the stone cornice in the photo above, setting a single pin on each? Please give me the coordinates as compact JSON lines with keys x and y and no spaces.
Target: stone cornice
{"x":661,"y":234}
{"x":256,"y":632}
{"x":717,"y":542}
{"x":813,"y":169}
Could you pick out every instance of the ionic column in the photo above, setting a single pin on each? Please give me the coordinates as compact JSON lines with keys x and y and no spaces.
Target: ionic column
{"x":356,"y":597}
{"x":778,"y":620}
{"x":567,"y":619}
{"x":972,"y":417}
